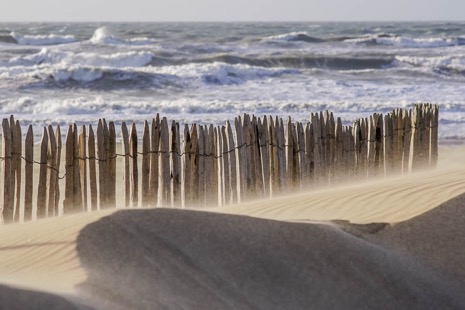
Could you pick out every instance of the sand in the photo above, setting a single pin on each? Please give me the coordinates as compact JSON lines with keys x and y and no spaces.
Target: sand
{"x":305,"y":250}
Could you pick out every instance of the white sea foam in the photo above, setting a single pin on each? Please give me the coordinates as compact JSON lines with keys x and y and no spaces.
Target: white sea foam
{"x":52,"y":57}
{"x":103,"y":35}
{"x":141,"y":41}
{"x":85,"y":109}
{"x":287,"y":36}
{"x":219,"y":73}
{"x":407,"y":42}
{"x":418,"y":42}
{"x":51,"y":39}
{"x":75,"y":73}
{"x":454,"y":63}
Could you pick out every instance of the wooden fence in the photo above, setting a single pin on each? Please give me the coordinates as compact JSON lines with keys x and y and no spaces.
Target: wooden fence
{"x":252,"y":158}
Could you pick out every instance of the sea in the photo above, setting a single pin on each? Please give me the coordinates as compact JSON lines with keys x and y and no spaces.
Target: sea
{"x":59,"y":73}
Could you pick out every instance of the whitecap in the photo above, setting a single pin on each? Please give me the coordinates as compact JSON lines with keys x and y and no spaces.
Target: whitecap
{"x":50,"y":39}
{"x":115,"y":60}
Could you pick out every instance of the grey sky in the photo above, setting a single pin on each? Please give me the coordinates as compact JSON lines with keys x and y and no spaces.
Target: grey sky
{"x":230,"y":10}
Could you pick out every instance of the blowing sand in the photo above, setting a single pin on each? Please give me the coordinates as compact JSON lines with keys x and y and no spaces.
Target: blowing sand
{"x":254,"y":255}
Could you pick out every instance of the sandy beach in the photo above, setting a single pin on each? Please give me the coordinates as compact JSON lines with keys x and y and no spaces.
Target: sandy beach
{"x":388,"y":243}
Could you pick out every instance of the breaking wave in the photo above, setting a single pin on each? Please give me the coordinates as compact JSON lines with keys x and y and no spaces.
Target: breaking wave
{"x":50,"y":39}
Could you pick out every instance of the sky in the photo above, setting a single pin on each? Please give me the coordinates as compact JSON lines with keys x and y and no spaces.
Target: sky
{"x":231,"y":10}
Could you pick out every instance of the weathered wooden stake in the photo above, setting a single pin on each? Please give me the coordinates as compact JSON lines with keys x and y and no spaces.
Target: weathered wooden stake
{"x":42,"y":187}
{"x":232,"y":163}
{"x":102,"y":154}
{"x":92,"y":170}
{"x":69,"y":203}
{"x":52,"y":173}
{"x":176,"y":164}
{"x":134,"y":202}
{"x":29,"y":170}
{"x":145,"y":199}
{"x":8,"y":189}
{"x":154,"y":159}
{"x":59,"y":144}
{"x":83,"y":166}
{"x":126,"y":171}
{"x":17,"y":153}
{"x":194,"y":161}
{"x":165,"y":175}
{"x":111,"y":165}
{"x":186,"y":176}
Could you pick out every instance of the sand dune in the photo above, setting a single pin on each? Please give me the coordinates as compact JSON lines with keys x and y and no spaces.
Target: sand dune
{"x":173,"y":259}
{"x":179,"y":259}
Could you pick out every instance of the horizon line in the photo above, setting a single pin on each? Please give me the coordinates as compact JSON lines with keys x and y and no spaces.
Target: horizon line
{"x":240,"y":21}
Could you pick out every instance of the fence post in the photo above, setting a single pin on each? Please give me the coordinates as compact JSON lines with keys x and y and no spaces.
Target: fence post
{"x":388,"y":144}
{"x":111,"y":165}
{"x":281,"y":154}
{"x":225,"y":170}
{"x":165,"y":199}
{"x":309,"y":154}
{"x":77,"y":178}
{"x":8,"y":195}
{"x":220,"y":165}
{"x":126,"y":171}
{"x":397,"y":141}
{"x":153,"y":191}
{"x":273,"y":158}
{"x":194,"y":159}
{"x":207,"y":165}
{"x":426,"y":142}
{"x":302,"y":159}
{"x":58,"y":164}
{"x":146,"y":153}
{"x":339,"y":158}
{"x":17,"y":153}
{"x":213,"y":137}
{"x":330,"y":127}
{"x":364,"y":146}
{"x":186,"y":168}
{"x":318,"y":153}
{"x":102,"y":163}
{"x":28,"y":178}
{"x":249,"y":157}
{"x":264,"y":139}
{"x":434,"y":135}
{"x":357,"y":146}
{"x":92,"y":170}
{"x":176,"y":164}
{"x":42,"y":187}
{"x":201,"y":167}
{"x":424,"y":133}
{"x":134,"y":203}
{"x":415,"y":144}
{"x":256,"y":158}
{"x":379,"y":149}
{"x":350,"y":152}
{"x":240,"y":159}
{"x":295,"y":157}
{"x":407,"y":138}
{"x":52,"y":174}
{"x":69,"y":203}
{"x":232,"y":163}
{"x":371,"y":157}
{"x":289,"y":154}
{"x":83,"y":166}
